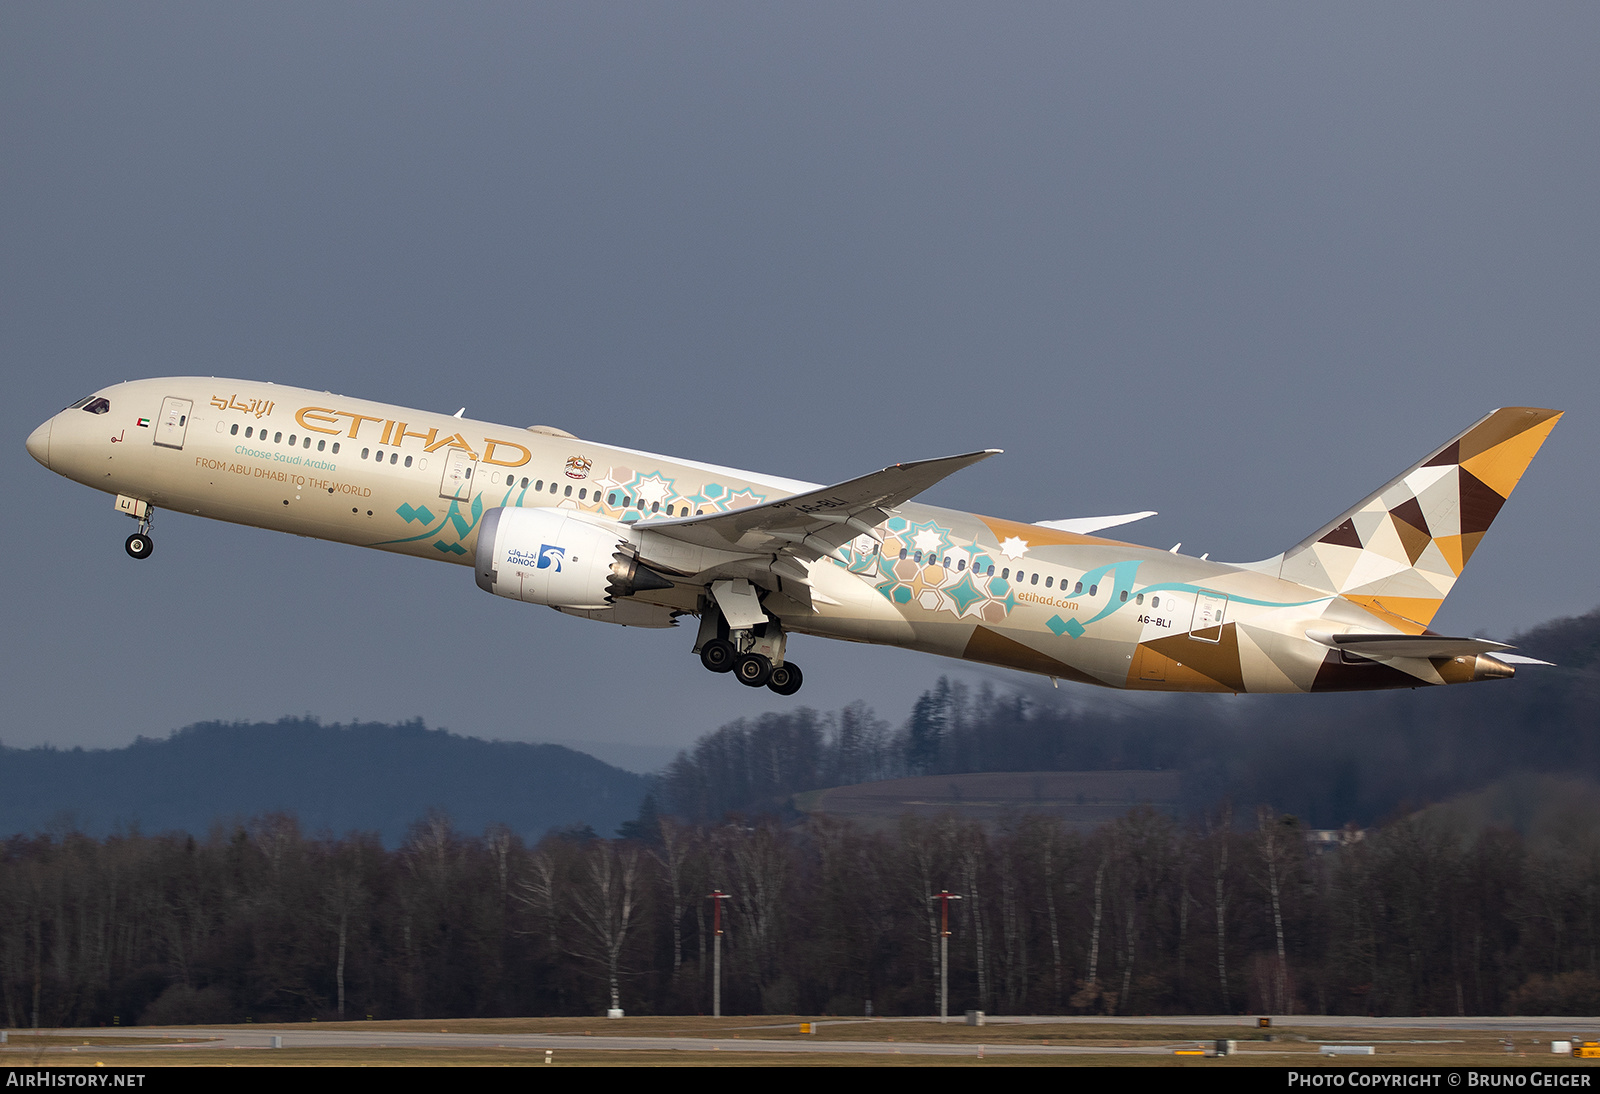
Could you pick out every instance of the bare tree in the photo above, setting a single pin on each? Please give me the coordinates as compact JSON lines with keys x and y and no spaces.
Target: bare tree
{"x":1219,"y":834}
{"x":344,"y":896}
{"x":1273,"y":843}
{"x":603,"y":906}
{"x":675,"y":843}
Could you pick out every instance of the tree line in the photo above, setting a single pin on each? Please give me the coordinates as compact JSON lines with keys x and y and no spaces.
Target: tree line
{"x":1144,"y":916}
{"x":1329,"y":759}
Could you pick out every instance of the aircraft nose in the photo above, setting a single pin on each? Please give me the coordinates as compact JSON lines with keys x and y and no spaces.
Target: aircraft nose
{"x":39,"y":443}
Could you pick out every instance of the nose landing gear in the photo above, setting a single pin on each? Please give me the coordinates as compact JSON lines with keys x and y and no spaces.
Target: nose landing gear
{"x":138,"y":545}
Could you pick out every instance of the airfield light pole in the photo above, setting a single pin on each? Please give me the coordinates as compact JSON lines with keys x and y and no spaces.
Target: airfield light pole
{"x":717,"y":897}
{"x":944,"y":897}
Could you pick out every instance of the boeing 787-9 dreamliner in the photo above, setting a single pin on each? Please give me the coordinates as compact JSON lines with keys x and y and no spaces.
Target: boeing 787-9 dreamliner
{"x":621,"y":536}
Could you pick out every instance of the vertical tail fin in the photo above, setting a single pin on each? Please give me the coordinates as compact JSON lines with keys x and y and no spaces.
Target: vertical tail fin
{"x":1400,"y":551}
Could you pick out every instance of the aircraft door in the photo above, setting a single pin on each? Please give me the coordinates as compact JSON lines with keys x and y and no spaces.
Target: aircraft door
{"x":459,"y":467}
{"x":173,"y":422}
{"x":1209,"y":611}
{"x":864,"y":556}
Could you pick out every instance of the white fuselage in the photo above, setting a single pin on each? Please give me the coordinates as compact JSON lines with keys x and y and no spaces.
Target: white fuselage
{"x":419,"y":483}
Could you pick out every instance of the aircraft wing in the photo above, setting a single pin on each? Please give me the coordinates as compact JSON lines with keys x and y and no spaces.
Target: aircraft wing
{"x":817,"y":522}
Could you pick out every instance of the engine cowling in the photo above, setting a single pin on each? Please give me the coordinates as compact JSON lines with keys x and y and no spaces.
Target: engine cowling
{"x":550,"y":556}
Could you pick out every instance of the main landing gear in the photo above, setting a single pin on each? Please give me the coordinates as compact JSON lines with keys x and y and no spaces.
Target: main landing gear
{"x":752,"y":669}
{"x":754,"y":654}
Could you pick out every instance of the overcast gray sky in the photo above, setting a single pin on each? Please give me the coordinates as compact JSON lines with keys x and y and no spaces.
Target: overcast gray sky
{"x":1238,"y":263}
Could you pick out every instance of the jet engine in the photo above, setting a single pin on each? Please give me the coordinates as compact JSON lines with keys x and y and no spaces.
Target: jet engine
{"x":560,"y":558}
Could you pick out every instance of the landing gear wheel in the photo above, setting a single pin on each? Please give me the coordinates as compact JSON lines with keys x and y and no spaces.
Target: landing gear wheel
{"x":786,"y":678}
{"x":138,"y":545}
{"x":753,"y":670}
{"x":718,"y":655}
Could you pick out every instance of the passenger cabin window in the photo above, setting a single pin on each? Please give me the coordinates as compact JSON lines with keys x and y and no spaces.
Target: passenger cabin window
{"x":991,"y":572}
{"x":1049,"y":581}
{"x":321,"y":445}
{"x":1093,"y":589}
{"x":1034,"y":580}
{"x":249,"y":432}
{"x":234,"y":432}
{"x":394,"y":458}
{"x":1078,"y":588}
{"x":335,"y":448}
{"x":408,"y":461}
{"x":291,"y":440}
{"x":364,"y":452}
{"x":277,"y":438}
{"x":1155,"y":602}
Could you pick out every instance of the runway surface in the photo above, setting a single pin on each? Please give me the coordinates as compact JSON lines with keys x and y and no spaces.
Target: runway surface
{"x":837,"y":1036}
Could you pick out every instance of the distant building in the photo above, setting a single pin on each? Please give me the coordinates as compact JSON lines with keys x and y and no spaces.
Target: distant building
{"x":1323,"y":840}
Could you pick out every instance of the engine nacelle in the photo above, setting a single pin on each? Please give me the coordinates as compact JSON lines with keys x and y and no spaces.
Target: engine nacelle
{"x":550,"y":556}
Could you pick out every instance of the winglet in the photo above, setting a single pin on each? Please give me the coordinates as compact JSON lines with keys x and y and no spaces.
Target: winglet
{"x":1084,"y":525}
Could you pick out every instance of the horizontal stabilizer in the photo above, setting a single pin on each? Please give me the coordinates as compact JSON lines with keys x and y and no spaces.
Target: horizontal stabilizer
{"x":1408,"y":645}
{"x":1085,"y":525}
{"x":817,"y":522}
{"x":1519,"y":659}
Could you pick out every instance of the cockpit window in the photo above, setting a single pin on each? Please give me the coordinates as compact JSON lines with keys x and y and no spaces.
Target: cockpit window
{"x":98,"y":406}
{"x":79,"y":404}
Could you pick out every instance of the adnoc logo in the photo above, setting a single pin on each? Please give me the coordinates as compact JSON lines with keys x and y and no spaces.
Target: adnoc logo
{"x":550,"y":558}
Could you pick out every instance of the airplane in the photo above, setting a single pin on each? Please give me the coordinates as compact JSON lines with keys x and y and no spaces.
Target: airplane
{"x":622,"y":536}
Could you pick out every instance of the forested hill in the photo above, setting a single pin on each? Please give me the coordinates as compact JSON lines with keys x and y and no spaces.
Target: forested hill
{"x":340,"y":778}
{"x":1328,"y":759}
